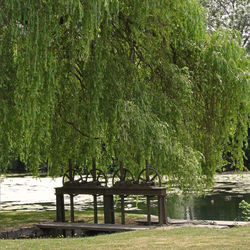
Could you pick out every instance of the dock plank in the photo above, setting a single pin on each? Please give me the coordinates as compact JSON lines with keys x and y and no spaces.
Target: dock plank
{"x":93,"y":227}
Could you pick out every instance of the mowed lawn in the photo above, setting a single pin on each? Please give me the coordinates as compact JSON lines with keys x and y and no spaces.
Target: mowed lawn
{"x":161,"y":238}
{"x":16,"y":219}
{"x":178,"y":238}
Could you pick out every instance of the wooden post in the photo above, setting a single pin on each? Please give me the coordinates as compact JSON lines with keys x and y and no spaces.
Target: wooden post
{"x":147,"y":171}
{"x":60,"y":213}
{"x":162,"y":209}
{"x":109,"y":215}
{"x":122,"y":196}
{"x":148,"y":197}
{"x":72,"y":215}
{"x":95,"y":209}
{"x":94,"y":168}
{"x":94,"y":196}
{"x":148,"y":210}
{"x":122,"y":210}
{"x":122,"y":171}
{"x":70,"y":170}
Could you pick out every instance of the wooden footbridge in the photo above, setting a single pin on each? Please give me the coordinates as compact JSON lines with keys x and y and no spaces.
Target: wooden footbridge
{"x":93,"y":227}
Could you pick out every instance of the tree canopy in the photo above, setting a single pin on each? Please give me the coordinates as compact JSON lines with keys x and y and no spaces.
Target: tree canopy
{"x":132,"y":79}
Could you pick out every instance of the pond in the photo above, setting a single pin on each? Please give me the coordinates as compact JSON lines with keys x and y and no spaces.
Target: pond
{"x":219,"y":203}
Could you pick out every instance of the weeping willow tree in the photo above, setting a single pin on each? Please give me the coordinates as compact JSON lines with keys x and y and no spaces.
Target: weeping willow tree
{"x":132,"y":80}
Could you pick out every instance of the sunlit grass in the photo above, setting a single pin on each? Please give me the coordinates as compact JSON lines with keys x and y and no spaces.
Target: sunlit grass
{"x":16,"y":219}
{"x":180,"y":238}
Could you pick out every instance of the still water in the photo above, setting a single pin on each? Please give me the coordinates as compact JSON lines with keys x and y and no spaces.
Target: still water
{"x":219,"y":203}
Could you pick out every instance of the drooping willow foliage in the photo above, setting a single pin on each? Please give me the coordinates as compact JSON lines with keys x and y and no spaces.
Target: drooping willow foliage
{"x":132,"y":80}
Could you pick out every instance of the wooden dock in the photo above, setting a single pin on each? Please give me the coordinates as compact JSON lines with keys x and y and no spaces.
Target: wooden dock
{"x":93,"y":227}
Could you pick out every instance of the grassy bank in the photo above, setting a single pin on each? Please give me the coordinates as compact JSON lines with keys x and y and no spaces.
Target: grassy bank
{"x":17,"y":219}
{"x":180,"y":238}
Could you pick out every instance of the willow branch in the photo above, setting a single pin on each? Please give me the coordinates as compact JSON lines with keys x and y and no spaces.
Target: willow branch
{"x":75,"y":127}
{"x":133,"y":45}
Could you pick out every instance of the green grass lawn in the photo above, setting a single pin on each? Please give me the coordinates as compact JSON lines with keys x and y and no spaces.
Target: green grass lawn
{"x":179,"y":238}
{"x":16,"y":219}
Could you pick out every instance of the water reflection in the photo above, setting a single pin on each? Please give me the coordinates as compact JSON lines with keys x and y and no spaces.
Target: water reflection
{"x":220,"y":206}
{"x":221,"y":203}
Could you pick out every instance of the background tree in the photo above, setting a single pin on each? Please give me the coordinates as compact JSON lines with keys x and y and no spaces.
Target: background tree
{"x":232,"y":14}
{"x":134,"y":80}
